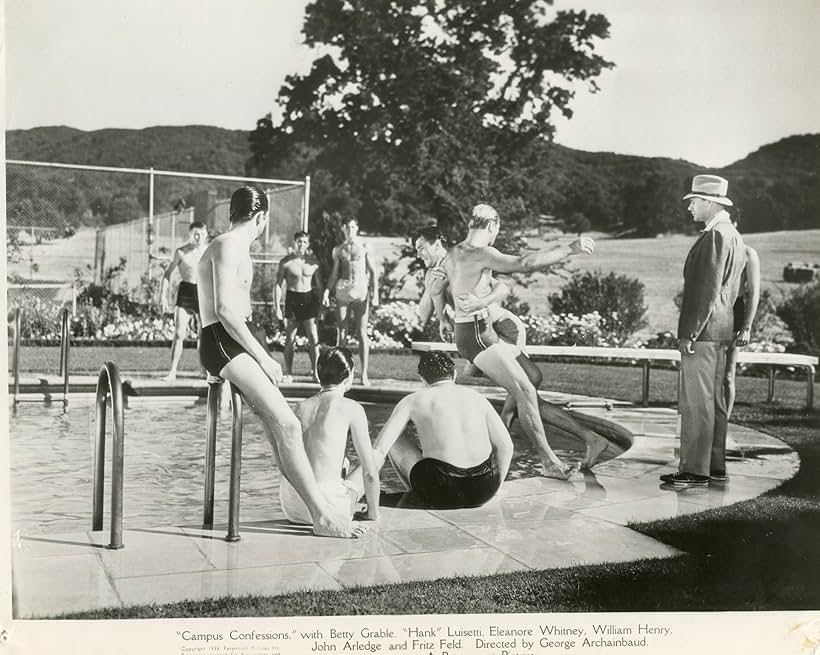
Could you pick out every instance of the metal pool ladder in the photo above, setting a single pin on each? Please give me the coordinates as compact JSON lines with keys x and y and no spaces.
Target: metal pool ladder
{"x":214,"y":392}
{"x":65,"y":344}
{"x":109,"y":386}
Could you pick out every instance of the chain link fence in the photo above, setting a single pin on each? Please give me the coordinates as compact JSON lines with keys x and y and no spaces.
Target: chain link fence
{"x":70,"y":227}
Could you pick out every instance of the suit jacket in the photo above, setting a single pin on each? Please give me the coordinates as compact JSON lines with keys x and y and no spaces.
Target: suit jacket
{"x":711,"y":283}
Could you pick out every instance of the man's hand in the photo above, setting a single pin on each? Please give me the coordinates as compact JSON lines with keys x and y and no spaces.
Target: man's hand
{"x":272,"y":369}
{"x":686,"y":346}
{"x":446,"y":329}
{"x":582,"y":246}
{"x":326,"y":298}
{"x":469,"y":303}
{"x":374,"y":298}
{"x":279,"y":315}
{"x":742,"y":337}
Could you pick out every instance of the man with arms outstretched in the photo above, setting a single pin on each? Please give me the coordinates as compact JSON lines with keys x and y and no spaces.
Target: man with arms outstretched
{"x":465,"y":449}
{"x":298,"y":270}
{"x":467,"y":271}
{"x":229,"y":349}
{"x":354,"y":281}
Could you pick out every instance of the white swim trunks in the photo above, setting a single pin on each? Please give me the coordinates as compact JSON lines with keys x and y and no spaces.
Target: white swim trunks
{"x":341,"y":495}
{"x":348,"y":291}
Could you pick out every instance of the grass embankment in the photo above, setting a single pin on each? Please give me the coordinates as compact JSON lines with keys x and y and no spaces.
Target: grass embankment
{"x":619,"y":382}
{"x":759,"y":554}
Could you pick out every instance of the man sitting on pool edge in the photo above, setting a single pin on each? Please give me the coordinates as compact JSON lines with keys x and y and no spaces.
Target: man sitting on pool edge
{"x":465,"y":449}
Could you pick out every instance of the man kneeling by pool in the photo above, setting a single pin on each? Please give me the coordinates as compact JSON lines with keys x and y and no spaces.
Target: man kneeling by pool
{"x":465,"y":449}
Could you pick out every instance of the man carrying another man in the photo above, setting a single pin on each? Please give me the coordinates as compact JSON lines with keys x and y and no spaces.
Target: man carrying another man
{"x":467,"y":271}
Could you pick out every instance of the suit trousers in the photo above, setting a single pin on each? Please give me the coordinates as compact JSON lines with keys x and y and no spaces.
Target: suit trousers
{"x":702,"y":405}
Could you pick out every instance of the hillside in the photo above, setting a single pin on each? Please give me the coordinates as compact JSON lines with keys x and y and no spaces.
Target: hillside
{"x":194,"y":148}
{"x":776,"y":186}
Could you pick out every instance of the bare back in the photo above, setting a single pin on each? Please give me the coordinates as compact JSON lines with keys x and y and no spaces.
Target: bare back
{"x":326,"y":420}
{"x":226,"y":258}
{"x":451,"y":422}
{"x":467,"y":272}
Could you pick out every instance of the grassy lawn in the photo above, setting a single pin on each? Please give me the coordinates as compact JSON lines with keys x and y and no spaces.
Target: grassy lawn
{"x":754,"y":555}
{"x":658,"y":263}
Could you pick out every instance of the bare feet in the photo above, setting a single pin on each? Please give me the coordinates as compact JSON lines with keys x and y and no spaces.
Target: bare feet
{"x":287,"y":378}
{"x":558,"y":470}
{"x":345,"y":529}
{"x":365,"y":380}
{"x":595,"y":449}
{"x":171,"y":378}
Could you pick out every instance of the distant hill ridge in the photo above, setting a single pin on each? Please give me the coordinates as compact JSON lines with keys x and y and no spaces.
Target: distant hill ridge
{"x":776,"y":186}
{"x":194,"y":148}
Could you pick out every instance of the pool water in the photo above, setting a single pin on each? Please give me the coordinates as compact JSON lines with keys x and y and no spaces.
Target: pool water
{"x":52,"y":455}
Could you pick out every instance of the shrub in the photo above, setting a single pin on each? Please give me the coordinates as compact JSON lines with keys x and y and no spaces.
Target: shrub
{"x":617,"y":299}
{"x":801,"y":312}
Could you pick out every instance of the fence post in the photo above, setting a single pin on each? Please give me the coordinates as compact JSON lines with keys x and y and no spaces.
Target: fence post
{"x":306,"y":204}
{"x":149,"y":236}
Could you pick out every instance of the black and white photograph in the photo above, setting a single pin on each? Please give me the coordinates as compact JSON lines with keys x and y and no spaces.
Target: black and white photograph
{"x":437,"y":327}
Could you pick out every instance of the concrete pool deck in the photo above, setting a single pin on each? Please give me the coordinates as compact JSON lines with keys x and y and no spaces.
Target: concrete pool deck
{"x":534,"y":523}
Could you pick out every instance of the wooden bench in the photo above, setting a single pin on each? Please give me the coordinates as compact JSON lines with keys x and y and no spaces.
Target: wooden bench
{"x":645,"y":356}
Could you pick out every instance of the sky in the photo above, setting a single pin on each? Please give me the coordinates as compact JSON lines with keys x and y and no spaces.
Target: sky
{"x":708,"y":81}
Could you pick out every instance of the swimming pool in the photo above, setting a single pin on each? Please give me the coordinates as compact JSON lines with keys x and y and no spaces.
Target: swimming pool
{"x":52,"y":454}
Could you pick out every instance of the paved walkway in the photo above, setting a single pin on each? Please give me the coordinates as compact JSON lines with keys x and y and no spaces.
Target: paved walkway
{"x":534,"y":523}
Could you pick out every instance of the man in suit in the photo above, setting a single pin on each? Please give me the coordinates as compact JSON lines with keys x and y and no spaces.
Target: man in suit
{"x":711,"y":283}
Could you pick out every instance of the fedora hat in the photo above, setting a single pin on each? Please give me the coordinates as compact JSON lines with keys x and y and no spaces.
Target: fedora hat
{"x":710,"y":187}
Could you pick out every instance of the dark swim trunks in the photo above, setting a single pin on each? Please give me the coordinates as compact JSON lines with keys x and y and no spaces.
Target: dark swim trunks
{"x":217,"y":347}
{"x":474,"y":336}
{"x":301,"y":305}
{"x":443,"y":486}
{"x":187,"y":298}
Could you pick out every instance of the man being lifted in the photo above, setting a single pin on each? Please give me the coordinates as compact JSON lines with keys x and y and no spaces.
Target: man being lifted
{"x":467,"y":270}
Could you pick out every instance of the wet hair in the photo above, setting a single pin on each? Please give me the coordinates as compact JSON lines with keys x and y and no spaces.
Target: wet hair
{"x":432,"y":234}
{"x":334,"y":365}
{"x":197,"y":225}
{"x":247,"y":201}
{"x":300,"y":234}
{"x":436,"y":366}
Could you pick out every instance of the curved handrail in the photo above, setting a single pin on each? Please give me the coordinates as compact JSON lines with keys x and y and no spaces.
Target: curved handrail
{"x":108,"y":384}
{"x":15,"y":361}
{"x":65,"y":343}
{"x":214,"y":393}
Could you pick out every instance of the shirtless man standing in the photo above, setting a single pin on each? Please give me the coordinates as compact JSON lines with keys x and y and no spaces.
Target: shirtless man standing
{"x":228,"y":349}
{"x":468,"y":269}
{"x":465,"y":449}
{"x":298,"y":270}
{"x":186,"y":257}
{"x":355,"y":283}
